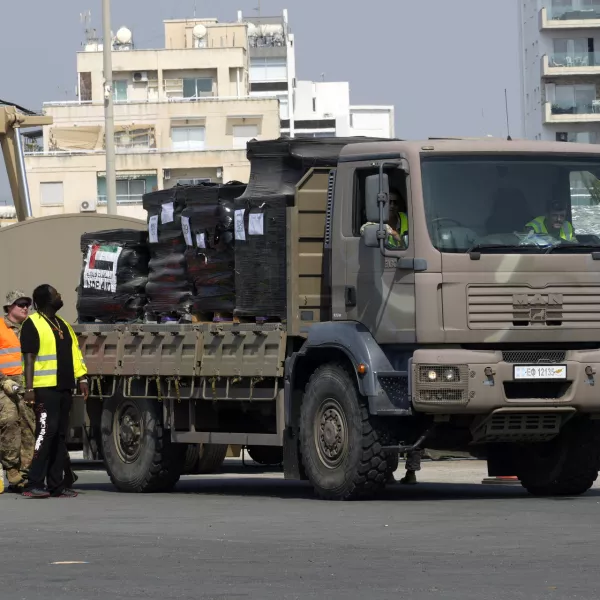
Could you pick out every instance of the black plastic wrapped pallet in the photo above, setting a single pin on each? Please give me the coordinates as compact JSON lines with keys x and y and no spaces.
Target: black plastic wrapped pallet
{"x":114,"y":276}
{"x":169,"y":291}
{"x":210,"y":258}
{"x":260,"y":259}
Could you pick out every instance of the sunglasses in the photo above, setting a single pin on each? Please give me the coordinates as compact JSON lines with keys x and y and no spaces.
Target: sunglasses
{"x":23,"y":304}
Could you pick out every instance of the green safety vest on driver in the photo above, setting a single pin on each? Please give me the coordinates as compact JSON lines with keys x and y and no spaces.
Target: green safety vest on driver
{"x":401,"y":230}
{"x":539,"y":226}
{"x":46,"y":364}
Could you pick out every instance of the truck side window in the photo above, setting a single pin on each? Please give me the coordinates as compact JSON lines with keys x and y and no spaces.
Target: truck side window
{"x":398,"y":222}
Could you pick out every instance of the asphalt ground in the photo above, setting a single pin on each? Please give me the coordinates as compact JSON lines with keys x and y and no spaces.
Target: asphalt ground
{"x":250,"y":534}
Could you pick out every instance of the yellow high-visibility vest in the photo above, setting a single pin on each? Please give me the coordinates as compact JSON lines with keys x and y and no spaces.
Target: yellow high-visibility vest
{"x":46,"y":364}
{"x":539,"y":226}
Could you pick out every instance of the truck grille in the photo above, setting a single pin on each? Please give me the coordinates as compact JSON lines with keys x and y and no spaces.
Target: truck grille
{"x":517,"y":307}
{"x":534,"y":357}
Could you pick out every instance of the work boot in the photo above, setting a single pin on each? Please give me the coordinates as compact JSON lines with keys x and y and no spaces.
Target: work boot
{"x":409,"y":479}
{"x":36,"y":493}
{"x":16,"y":489}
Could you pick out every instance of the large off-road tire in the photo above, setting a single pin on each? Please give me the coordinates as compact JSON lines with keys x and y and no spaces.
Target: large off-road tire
{"x":269,"y":456}
{"x":341,"y":451}
{"x":138,"y":453}
{"x":204,"y":459}
{"x":565,"y":466}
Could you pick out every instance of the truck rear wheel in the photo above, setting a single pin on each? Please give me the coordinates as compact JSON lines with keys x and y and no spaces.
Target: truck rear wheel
{"x":341,"y":452}
{"x":138,"y":453}
{"x":204,"y":459}
{"x":269,"y":456}
{"x":565,"y":466}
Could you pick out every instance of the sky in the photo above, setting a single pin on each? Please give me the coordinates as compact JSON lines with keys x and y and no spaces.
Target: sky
{"x":443,"y":64}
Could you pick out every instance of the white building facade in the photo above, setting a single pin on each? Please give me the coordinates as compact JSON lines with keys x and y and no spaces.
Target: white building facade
{"x":560,"y":69}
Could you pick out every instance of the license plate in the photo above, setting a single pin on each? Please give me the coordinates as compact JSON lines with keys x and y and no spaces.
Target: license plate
{"x":540,"y":372}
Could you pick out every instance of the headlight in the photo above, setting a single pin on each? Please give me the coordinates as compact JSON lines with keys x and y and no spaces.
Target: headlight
{"x":431,"y":375}
{"x":450,"y":375}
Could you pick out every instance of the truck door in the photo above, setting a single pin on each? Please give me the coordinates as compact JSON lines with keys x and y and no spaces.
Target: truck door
{"x":368,"y":287}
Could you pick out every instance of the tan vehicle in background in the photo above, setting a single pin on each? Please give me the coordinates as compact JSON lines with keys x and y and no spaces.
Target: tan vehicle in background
{"x":471,"y":333}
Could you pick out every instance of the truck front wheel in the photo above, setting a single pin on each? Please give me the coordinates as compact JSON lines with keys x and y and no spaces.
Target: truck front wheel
{"x":565,"y":466}
{"x":341,"y":450}
{"x":138,"y":452}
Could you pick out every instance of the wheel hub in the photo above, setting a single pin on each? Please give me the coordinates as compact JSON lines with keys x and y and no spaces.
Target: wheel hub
{"x":128,"y":430}
{"x":331,"y":434}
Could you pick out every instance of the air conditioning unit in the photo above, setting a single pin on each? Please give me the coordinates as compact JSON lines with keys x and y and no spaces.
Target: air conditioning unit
{"x":140,"y":77}
{"x":166,"y":174}
{"x":88,"y":206}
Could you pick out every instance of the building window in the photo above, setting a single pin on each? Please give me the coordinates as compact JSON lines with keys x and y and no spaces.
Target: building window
{"x":284,"y":108}
{"x":52,"y":193}
{"x":132,"y":140}
{"x":199,"y":87}
{"x":120,"y":91}
{"x":130,"y":190}
{"x":188,"y":138}
{"x":195,"y":181}
{"x":242,"y":134}
{"x":268,"y":69}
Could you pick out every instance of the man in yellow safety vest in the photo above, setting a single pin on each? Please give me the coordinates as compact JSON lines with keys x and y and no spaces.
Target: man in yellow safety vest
{"x":54,"y":366}
{"x":553,"y":223}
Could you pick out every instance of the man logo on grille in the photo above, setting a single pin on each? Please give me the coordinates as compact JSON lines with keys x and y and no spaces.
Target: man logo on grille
{"x":537,"y":308}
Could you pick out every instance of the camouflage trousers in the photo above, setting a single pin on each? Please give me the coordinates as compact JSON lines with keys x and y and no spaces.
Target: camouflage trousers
{"x":17,"y":436}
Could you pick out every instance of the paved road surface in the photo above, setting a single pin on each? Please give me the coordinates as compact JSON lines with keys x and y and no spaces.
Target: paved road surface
{"x":251,"y":535}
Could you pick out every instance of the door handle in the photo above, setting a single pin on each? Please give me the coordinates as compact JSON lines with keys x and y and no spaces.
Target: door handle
{"x":350,"y":295}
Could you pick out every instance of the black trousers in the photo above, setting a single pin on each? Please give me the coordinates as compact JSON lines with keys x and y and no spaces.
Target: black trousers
{"x":52,"y":408}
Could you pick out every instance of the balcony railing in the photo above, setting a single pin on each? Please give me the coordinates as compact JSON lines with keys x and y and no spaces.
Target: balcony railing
{"x":574,"y":59}
{"x":575,"y":12}
{"x":137,"y":151}
{"x":578,"y":108}
{"x":129,"y":199}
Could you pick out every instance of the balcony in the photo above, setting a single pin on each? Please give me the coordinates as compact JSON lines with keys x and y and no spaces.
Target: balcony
{"x":572,"y":63}
{"x":576,"y":16}
{"x":578,"y":112}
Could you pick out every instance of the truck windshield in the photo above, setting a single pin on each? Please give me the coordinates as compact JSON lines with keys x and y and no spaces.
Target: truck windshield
{"x":506,"y":203}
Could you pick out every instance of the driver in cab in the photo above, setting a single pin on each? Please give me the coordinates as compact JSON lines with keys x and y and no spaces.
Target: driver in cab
{"x":554,"y":223}
{"x":394,"y":239}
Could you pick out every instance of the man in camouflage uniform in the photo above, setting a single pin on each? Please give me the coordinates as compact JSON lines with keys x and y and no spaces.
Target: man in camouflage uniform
{"x":17,"y":419}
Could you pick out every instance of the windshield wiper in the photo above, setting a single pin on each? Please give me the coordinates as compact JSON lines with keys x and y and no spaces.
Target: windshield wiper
{"x":475,"y":250}
{"x":594,"y":248}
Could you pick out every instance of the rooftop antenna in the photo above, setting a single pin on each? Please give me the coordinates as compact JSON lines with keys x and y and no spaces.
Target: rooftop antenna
{"x":507,"y":119}
{"x":195,"y":3}
{"x":257,"y":9}
{"x":86,"y":21}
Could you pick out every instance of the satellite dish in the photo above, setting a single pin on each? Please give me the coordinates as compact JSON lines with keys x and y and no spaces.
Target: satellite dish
{"x":124,"y":36}
{"x":252,"y":30}
{"x":199,"y":31}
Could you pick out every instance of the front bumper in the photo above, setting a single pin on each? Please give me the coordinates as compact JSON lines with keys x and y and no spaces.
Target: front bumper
{"x":487,"y":383}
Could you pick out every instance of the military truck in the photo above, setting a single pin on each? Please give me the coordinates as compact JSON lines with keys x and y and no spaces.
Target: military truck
{"x":474,"y":333}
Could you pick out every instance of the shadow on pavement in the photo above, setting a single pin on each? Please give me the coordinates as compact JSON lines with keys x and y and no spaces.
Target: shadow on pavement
{"x":277,"y":488}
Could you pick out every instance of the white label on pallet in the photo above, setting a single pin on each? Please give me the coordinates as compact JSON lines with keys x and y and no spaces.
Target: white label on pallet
{"x":240,"y":230}
{"x":166,"y":215}
{"x":200,"y":240}
{"x":153,"y":229}
{"x":256,"y":225}
{"x":187,"y":233}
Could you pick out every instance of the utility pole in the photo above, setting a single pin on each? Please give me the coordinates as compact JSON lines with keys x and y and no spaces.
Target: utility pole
{"x":109,"y":116}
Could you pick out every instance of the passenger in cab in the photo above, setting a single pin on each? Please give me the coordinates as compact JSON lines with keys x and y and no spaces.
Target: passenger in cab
{"x":553,"y":223}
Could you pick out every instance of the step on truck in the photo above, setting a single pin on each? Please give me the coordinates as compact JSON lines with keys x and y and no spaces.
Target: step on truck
{"x":457,"y":326}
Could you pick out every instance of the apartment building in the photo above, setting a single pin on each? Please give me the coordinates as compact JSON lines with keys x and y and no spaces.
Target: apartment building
{"x":561,"y":69}
{"x":183,"y":114}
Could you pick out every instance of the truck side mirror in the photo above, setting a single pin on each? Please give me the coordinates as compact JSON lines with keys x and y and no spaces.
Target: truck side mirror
{"x":371,"y":194}
{"x":370,"y":236}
